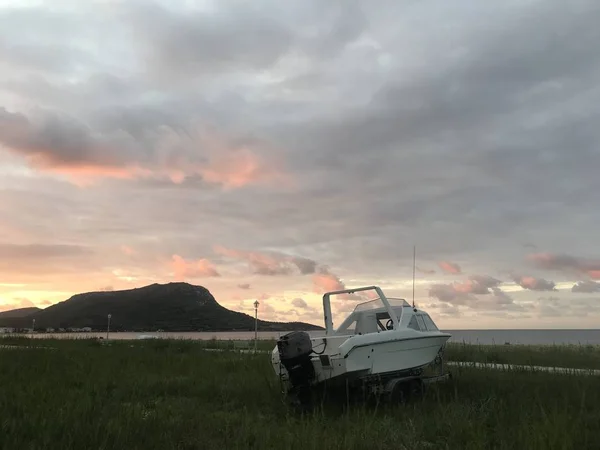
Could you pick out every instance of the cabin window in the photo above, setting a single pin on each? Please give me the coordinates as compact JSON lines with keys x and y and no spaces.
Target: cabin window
{"x":430,"y":324}
{"x":421,"y":323}
{"x":414,"y":324}
{"x":349,"y":329}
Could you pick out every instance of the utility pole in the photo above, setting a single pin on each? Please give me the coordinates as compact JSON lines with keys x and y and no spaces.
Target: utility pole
{"x":108,"y":326}
{"x":255,"y":324}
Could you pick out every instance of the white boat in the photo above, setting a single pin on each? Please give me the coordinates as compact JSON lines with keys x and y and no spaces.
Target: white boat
{"x":384,"y":338}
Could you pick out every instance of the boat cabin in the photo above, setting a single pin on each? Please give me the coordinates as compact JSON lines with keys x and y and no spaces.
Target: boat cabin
{"x":373,"y":317}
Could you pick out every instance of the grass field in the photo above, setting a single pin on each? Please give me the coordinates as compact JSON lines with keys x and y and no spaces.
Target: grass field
{"x":174,"y":395}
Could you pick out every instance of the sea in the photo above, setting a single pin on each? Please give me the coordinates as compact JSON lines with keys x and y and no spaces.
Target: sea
{"x":498,"y":337}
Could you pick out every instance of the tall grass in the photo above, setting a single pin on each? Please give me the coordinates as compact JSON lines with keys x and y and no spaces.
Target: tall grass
{"x":572,"y":356}
{"x":174,"y":395}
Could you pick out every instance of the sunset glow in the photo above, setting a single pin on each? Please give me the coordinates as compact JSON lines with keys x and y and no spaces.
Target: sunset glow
{"x":278,"y":159}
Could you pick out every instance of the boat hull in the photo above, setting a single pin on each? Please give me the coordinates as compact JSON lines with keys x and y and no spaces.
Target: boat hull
{"x":395,"y":356}
{"x":356,"y":359}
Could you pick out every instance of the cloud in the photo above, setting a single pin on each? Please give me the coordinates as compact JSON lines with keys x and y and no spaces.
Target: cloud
{"x":567,"y":263}
{"x":559,"y":307}
{"x":450,"y":267}
{"x":41,"y":251}
{"x":247,"y":124}
{"x":59,"y":143}
{"x":325,"y":281}
{"x":199,"y":268}
{"x":244,"y":286}
{"x":534,"y":284}
{"x":464,"y":291}
{"x":425,"y":271}
{"x":450,"y":293}
{"x":271,"y":263}
{"x":586,"y":286}
{"x":207,"y":42}
{"x":300,"y":303}
{"x":468,"y":294}
{"x":239,"y":37}
{"x":16,"y":303}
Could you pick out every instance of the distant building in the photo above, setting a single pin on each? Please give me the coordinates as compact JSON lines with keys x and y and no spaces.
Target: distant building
{"x":6,"y":330}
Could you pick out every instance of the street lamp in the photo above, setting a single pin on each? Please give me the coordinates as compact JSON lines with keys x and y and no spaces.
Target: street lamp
{"x":33,"y":329}
{"x":255,"y":324}
{"x":108,"y":326}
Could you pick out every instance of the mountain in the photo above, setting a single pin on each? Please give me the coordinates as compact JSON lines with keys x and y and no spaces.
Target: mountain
{"x":18,"y":313}
{"x":170,"y":307}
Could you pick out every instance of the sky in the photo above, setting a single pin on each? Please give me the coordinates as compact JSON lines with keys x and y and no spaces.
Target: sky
{"x":277,"y":150}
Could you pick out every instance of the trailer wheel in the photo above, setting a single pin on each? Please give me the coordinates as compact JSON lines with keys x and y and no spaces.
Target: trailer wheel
{"x":402,"y":391}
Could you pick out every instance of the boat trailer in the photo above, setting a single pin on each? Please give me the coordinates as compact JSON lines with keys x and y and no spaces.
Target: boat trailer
{"x":387,"y":389}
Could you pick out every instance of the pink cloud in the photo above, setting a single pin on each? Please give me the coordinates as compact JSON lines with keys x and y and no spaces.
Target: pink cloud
{"x":17,"y":303}
{"x":461,"y":292}
{"x":450,"y":267}
{"x":64,"y":145}
{"x":84,"y":175}
{"x":241,"y":168}
{"x":244,"y":286}
{"x":325,"y":281}
{"x":193,"y":269}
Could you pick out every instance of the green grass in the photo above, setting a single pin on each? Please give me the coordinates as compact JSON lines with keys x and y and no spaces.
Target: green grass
{"x":174,"y":395}
{"x":572,"y":356}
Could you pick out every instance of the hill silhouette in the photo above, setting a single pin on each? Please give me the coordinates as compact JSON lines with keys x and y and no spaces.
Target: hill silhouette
{"x":168,"y":307}
{"x":18,"y":313}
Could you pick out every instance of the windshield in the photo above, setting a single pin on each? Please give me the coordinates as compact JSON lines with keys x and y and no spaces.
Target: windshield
{"x":377,"y":303}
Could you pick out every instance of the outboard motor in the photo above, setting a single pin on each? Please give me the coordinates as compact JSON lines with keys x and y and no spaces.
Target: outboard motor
{"x":294,"y":350}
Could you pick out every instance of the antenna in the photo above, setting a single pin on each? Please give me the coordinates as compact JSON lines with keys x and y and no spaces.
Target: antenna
{"x":414,"y":261}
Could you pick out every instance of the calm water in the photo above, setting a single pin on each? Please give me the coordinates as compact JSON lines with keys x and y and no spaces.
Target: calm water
{"x":539,"y":337}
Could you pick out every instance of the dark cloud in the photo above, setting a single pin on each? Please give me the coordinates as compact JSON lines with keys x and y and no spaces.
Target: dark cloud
{"x":56,"y":139}
{"x":240,"y":36}
{"x":300,"y":303}
{"x":586,"y":286}
{"x":244,"y":286}
{"x":567,"y":263}
{"x":533,"y":283}
{"x":230,"y":38}
{"x":270,"y":263}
